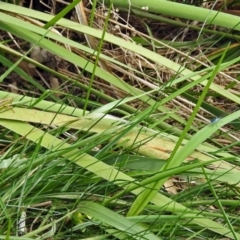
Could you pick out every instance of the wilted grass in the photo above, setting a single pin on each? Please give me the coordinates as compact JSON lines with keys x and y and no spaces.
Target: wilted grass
{"x":121,"y":147}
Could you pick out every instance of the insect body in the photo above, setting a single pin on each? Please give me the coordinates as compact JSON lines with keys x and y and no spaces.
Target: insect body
{"x":215,"y":120}
{"x":6,"y":103}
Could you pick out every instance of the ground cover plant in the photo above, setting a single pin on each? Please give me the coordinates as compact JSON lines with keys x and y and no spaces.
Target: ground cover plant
{"x":119,"y":120}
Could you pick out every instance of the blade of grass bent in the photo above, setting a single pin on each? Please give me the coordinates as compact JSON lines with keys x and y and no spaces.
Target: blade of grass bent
{"x":116,"y":220}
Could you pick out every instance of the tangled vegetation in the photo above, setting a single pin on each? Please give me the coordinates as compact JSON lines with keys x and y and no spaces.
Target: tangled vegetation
{"x":105,"y":119}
